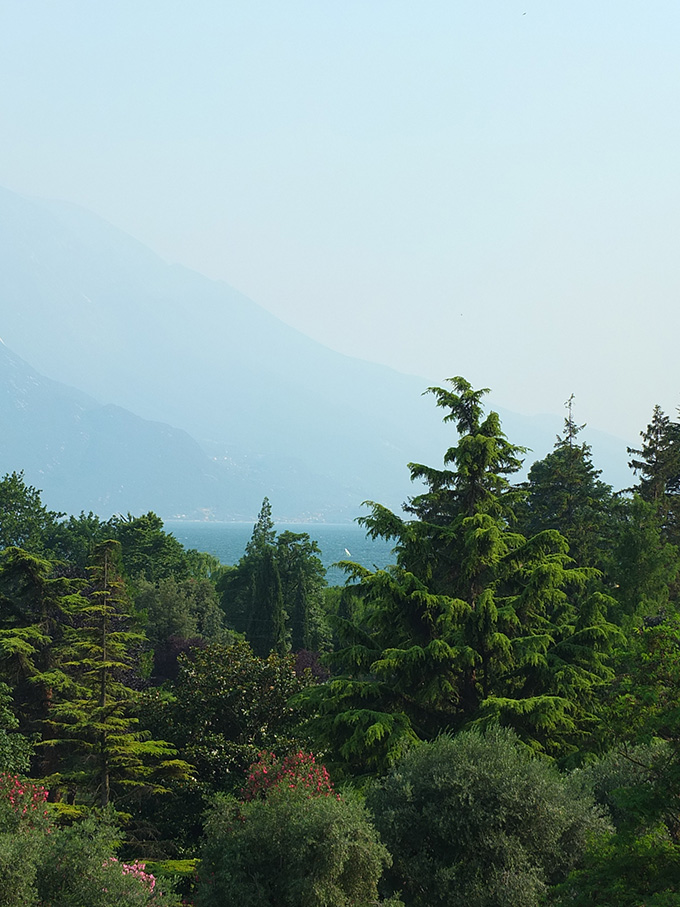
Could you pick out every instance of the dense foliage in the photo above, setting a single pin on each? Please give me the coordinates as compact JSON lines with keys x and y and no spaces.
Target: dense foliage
{"x":475,"y":820}
{"x":291,"y":849}
{"x":500,"y":703}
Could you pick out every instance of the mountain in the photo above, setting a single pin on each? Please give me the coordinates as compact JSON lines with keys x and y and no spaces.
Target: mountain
{"x":271,"y":411}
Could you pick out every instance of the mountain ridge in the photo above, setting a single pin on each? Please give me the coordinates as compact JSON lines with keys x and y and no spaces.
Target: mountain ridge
{"x":93,"y":308}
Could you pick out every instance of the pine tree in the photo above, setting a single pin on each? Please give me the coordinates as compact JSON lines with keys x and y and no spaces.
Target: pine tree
{"x":565,"y":493}
{"x":657,"y":463}
{"x":93,"y":720}
{"x":473,"y":623}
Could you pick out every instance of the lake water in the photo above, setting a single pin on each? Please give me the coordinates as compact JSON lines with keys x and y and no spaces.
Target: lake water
{"x":337,"y":541}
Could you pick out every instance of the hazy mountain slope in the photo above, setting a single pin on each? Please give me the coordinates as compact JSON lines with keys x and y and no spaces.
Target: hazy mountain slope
{"x":85,"y":456}
{"x":89,"y":306}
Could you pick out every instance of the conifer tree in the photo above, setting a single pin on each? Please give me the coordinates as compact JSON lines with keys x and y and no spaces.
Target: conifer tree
{"x":473,"y":623}
{"x":93,"y":723}
{"x":657,"y":463}
{"x":252,"y":594}
{"x":303,"y":580}
{"x":35,"y":604}
{"x":565,"y":493}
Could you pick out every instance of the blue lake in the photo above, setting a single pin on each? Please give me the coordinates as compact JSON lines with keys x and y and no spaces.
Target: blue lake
{"x":337,"y":541}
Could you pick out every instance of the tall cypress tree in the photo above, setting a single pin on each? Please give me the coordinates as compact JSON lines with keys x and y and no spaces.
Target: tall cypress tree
{"x":303,"y":579}
{"x":252,"y":595}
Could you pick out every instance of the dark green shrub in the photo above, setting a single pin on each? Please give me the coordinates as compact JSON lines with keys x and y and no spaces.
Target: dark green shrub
{"x":476,"y":821}
{"x":291,"y":850}
{"x":625,"y":870}
{"x":42,"y":864}
{"x":78,"y":869}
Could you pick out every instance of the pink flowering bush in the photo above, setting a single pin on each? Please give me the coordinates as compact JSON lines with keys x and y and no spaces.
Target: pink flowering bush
{"x":65,"y":867}
{"x":136,"y":869}
{"x":21,"y":802}
{"x":298,"y":771}
{"x":291,"y":841}
{"x":23,"y":825}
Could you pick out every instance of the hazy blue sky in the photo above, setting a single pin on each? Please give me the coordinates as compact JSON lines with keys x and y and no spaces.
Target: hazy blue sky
{"x":488,"y":188}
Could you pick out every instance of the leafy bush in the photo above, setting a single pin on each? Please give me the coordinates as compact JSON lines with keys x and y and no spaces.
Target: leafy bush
{"x":625,"y":782}
{"x":626,"y":871}
{"x":75,"y":866}
{"x":291,"y":850}
{"x":78,"y":867}
{"x":476,"y":821}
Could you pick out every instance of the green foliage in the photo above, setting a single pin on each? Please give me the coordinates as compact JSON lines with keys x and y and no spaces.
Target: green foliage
{"x":187,"y":608}
{"x":92,"y":720}
{"x":78,"y":867}
{"x":623,"y":782}
{"x":628,"y":871}
{"x":15,"y":748}
{"x":642,"y":707}
{"x":290,"y":850}
{"x":644,"y":567}
{"x":476,"y":821}
{"x":566,"y":494}
{"x":275,"y":594}
{"x":24,"y":521}
{"x":657,"y":463}
{"x":147,"y":550}
{"x":474,"y":623}
{"x":35,"y":605}
{"x":252,"y":593}
{"x":303,"y":581}
{"x":74,"y":540}
{"x":227,"y":706}
{"x":43,"y":864}
{"x":22,"y":827}
{"x":181,"y":874}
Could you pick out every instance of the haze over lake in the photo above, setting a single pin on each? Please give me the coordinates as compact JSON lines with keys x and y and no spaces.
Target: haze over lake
{"x":227,"y":541}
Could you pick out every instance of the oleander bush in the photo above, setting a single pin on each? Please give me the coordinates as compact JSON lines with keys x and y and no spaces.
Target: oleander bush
{"x":294,"y":842}
{"x":75,"y":866}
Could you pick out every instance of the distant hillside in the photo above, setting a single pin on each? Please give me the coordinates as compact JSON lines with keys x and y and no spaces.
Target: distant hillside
{"x":271,"y":411}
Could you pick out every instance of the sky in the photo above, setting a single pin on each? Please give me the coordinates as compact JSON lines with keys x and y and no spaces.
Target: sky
{"x":486,"y":188}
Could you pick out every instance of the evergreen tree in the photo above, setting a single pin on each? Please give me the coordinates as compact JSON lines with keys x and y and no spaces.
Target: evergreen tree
{"x":35,"y":604}
{"x":644,"y":567}
{"x":473,"y":623}
{"x":565,"y":493}
{"x":266,"y":622}
{"x":92,"y":720}
{"x":252,"y":594}
{"x":657,"y":463}
{"x":303,"y":581}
